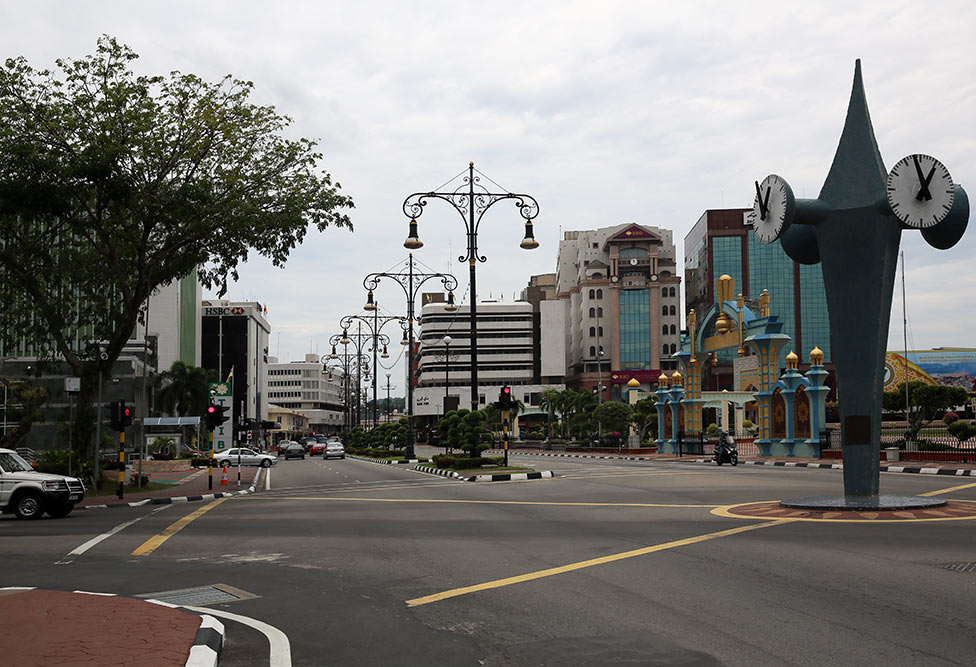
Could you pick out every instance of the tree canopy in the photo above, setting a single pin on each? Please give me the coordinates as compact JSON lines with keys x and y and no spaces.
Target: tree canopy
{"x":114,"y":184}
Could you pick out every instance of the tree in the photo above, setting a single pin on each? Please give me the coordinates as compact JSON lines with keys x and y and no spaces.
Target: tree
{"x":23,"y":407}
{"x":926,"y":402}
{"x":549,"y":401}
{"x":644,"y":417}
{"x":464,"y":430}
{"x":113,"y":185}
{"x":613,"y":417}
{"x":185,"y":390}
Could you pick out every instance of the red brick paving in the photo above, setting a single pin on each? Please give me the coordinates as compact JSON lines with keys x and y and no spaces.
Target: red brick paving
{"x":45,"y":628}
{"x":773,"y":510}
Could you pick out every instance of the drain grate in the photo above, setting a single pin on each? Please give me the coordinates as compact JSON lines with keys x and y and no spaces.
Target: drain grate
{"x":961,"y":567}
{"x":200,"y":595}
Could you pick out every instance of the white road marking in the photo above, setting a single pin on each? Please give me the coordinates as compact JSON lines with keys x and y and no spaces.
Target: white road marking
{"x":67,"y":560}
{"x":280,"y":654}
{"x":267,"y":481}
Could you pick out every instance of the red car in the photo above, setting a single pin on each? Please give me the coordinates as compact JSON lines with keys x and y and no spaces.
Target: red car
{"x":316,"y":448}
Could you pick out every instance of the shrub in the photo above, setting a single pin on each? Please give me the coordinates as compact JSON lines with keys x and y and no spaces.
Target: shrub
{"x":134,"y":480}
{"x":962,"y":431}
{"x":950,"y":417}
{"x":712,"y":429}
{"x":557,"y":441}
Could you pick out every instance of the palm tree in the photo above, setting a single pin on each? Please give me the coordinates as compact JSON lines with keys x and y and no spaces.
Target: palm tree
{"x":549,"y":401}
{"x":185,"y":389}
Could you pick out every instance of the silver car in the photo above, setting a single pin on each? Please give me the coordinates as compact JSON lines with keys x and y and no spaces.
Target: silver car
{"x":246,"y":457}
{"x":335,"y":449}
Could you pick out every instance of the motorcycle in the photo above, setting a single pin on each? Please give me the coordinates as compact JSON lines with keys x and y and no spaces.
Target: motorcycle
{"x":726,"y":450}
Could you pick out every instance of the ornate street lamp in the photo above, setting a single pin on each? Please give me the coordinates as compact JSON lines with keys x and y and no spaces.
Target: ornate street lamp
{"x":410,"y":281}
{"x":471,"y":199}
{"x":447,"y":369}
{"x":374,"y":325}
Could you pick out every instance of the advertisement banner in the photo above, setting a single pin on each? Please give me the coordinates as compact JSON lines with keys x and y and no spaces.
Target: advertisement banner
{"x":949,"y":367}
{"x":223,"y":434}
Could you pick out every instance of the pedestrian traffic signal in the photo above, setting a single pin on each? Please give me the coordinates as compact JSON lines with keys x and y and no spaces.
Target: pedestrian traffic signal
{"x":120,"y":415}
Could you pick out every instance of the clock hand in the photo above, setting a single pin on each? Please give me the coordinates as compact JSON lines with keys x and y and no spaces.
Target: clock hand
{"x":928,"y":180}
{"x":759,"y":198}
{"x":766,"y":200}
{"x":923,"y":190}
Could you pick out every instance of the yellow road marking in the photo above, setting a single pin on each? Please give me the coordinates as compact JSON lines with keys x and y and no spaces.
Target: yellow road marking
{"x":472,"y":502}
{"x":156,"y":541}
{"x":509,"y":581}
{"x":951,"y":488}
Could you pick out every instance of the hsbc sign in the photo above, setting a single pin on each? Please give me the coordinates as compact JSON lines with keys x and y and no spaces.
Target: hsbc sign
{"x":211,"y":311}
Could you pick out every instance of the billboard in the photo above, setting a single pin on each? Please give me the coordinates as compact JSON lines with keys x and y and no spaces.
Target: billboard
{"x":953,"y":367}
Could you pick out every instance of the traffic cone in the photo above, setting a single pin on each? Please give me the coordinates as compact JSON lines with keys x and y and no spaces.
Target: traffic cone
{"x":223,"y":480}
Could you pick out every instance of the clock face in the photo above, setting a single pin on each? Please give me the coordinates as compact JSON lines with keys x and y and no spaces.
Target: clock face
{"x":773,"y":210}
{"x":920,"y":191}
{"x":633,"y":261}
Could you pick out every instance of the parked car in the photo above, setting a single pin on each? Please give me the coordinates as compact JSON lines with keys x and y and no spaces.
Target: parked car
{"x":247,"y":457}
{"x":320,"y":437}
{"x":334,"y":449}
{"x":29,"y":494}
{"x":293,"y":450}
{"x":316,"y":449}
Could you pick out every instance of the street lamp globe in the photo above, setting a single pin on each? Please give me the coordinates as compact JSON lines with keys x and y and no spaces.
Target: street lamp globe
{"x":447,"y":340}
{"x":529,"y":242}
{"x":413,"y":241}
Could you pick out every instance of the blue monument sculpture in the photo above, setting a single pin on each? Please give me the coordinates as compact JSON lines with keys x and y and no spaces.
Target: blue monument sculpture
{"x":853,"y":228}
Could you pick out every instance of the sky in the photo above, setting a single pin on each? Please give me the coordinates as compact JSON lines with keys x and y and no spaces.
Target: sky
{"x":609,"y":112}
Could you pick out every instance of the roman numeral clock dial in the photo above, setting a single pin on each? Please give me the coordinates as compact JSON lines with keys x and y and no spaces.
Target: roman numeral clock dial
{"x":773,"y":210}
{"x":920,"y":191}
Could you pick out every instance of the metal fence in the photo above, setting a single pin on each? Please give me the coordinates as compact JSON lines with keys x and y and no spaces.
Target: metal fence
{"x":932,"y":444}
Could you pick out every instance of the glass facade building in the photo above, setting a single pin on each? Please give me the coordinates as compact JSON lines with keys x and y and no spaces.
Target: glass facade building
{"x":635,"y":329}
{"x":722,"y":243}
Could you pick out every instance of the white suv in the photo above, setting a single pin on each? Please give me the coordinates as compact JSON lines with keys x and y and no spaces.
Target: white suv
{"x":29,"y":494}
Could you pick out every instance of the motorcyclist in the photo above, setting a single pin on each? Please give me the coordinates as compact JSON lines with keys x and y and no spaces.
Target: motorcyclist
{"x":725,"y":449}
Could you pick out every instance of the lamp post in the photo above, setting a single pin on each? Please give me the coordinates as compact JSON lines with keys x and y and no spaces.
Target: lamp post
{"x":471,"y":199}
{"x":346,"y":362}
{"x":447,"y":369}
{"x":375,"y":326}
{"x":411,"y":281}
{"x":388,"y":388}
{"x":358,"y":341}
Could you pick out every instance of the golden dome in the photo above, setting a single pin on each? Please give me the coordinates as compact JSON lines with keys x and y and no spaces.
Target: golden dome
{"x":662,"y":380}
{"x":725,"y":276}
{"x":633,"y":384}
{"x":723,"y":324}
{"x":676,"y":377}
{"x":816,"y":356}
{"x":791,"y":360}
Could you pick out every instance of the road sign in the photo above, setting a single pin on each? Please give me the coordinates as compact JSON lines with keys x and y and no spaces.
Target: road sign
{"x":249,"y":435}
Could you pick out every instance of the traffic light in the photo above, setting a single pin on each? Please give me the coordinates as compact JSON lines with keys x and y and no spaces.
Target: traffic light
{"x":505,"y":400}
{"x":215,"y":415}
{"x":120,"y":415}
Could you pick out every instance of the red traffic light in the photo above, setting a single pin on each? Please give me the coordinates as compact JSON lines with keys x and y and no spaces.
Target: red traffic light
{"x":506,"y":390}
{"x":211,"y":409}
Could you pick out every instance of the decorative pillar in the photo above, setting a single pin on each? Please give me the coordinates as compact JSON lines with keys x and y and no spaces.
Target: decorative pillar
{"x":662,"y":397}
{"x":817,"y":392}
{"x":633,"y":395}
{"x":788,"y":385}
{"x":675,"y":395}
{"x":691,"y":367}
{"x":767,"y":347}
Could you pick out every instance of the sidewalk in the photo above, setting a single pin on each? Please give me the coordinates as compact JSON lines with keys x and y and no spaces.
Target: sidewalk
{"x":922,"y":467}
{"x":193,"y":487}
{"x":43,"y":628}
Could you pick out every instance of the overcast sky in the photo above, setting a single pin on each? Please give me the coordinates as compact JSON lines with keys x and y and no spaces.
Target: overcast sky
{"x":606,"y":112}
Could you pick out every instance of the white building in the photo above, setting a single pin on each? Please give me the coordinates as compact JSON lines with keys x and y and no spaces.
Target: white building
{"x":516,"y":347}
{"x":303,"y":387}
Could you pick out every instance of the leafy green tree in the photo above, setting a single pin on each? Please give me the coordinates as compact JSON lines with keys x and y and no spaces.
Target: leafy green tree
{"x":644,"y":417}
{"x":962,"y":431}
{"x":113,"y":185}
{"x":927,"y":402}
{"x":550,"y":403}
{"x":24,"y":407}
{"x":613,"y":416}
{"x":185,"y":390}
{"x":465,"y":430}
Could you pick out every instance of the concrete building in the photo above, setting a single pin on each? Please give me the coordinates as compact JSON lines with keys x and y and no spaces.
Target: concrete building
{"x":301,"y":386}
{"x":723,"y":243}
{"x":620,"y":291}
{"x":235,"y":338}
{"x":291,"y":424}
{"x":517,"y":346}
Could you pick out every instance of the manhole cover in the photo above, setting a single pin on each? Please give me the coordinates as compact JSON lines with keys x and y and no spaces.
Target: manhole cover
{"x":200,"y":595}
{"x":961,"y":567}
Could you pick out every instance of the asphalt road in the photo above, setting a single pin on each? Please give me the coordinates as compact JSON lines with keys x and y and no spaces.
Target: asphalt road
{"x":611,"y":562}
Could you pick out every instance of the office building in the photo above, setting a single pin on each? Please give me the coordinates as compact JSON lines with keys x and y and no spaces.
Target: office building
{"x":303,"y":387}
{"x":620,"y":291}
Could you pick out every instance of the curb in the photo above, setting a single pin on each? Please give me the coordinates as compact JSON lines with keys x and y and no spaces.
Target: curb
{"x":178,"y":499}
{"x":588,"y":456}
{"x":369,"y":459}
{"x":207,"y":645}
{"x":438,"y":471}
{"x":511,"y":477}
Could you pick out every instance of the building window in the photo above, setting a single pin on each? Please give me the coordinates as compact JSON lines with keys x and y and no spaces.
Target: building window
{"x":664,"y":350}
{"x":635,"y":329}
{"x":664,"y":310}
{"x":592,"y":312}
{"x":674,"y":330}
{"x":674,"y":348}
{"x":592,"y":294}
{"x":671,"y":292}
{"x":599,"y":292}
{"x":600,"y":332}
{"x":664,"y":330}
{"x":592,"y":351}
{"x":592,"y":331}
{"x":673,"y":311}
